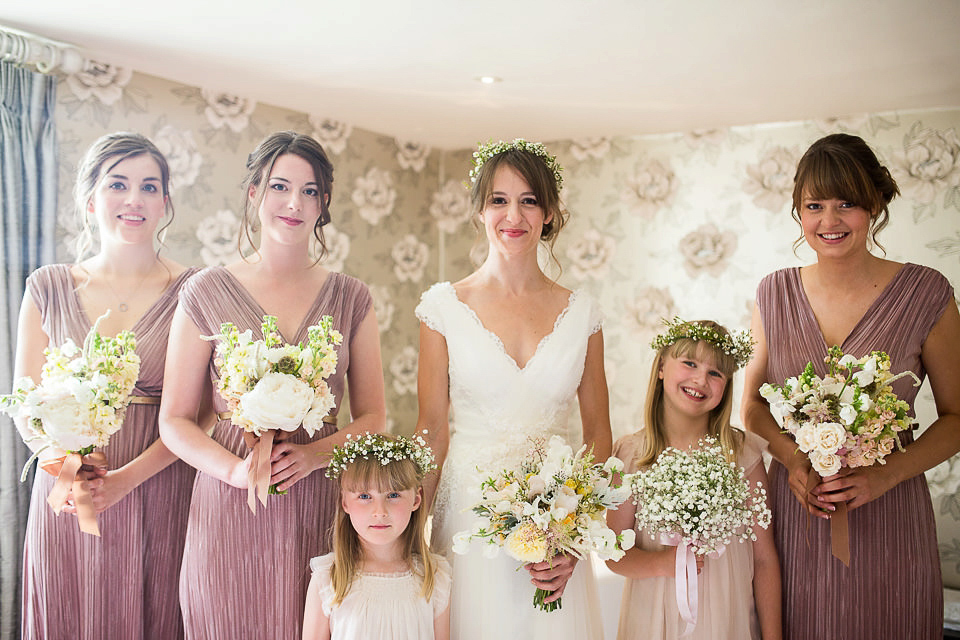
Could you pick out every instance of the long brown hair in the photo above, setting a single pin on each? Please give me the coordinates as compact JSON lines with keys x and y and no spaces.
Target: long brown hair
{"x":260,"y":164}
{"x":365,"y":474}
{"x":843,"y":166}
{"x":535,"y":173}
{"x":719,"y":426}
{"x":103,"y":155}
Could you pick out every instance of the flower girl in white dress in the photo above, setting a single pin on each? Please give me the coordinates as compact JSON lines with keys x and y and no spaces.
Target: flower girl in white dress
{"x":381,"y":581}
{"x":509,"y":352}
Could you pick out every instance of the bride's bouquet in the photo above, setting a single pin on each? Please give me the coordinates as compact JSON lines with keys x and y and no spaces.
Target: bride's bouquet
{"x":552,"y":502}
{"x":79,"y":403}
{"x":272,"y":386}
{"x":849,"y":418}
{"x":699,"y":502}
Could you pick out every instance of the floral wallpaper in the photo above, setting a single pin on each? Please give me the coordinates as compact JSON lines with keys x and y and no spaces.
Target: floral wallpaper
{"x":660,"y":225}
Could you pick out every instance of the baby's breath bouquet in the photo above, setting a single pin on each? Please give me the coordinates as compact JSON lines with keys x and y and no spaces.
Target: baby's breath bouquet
{"x":698,"y":498}
{"x":553,"y":502}
{"x":699,"y":502}
{"x":79,"y":403}
{"x":849,"y":418}
{"x":270,"y":385}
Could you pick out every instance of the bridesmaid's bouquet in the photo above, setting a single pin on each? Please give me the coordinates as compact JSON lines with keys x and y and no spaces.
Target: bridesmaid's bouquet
{"x":79,"y":403}
{"x":272,"y":386}
{"x":552,"y":502}
{"x":850,"y":418}
{"x":699,"y":502}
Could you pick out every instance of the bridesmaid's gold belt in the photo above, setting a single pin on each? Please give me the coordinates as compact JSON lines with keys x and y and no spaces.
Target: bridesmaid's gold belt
{"x":226,"y":415}
{"x":144,"y":399}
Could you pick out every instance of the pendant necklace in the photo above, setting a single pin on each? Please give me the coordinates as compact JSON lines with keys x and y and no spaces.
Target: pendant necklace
{"x":123,"y":307}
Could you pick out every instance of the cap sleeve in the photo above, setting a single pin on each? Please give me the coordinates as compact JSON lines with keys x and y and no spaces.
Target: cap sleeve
{"x":442,"y":583}
{"x":320,"y":567}
{"x":627,"y":448}
{"x":752,"y":451}
{"x":432,"y":302}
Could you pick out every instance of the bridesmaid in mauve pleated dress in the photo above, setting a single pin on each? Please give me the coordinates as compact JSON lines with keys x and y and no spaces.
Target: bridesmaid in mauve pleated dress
{"x":245,"y":575}
{"x":851,"y":298}
{"x":122,"y":584}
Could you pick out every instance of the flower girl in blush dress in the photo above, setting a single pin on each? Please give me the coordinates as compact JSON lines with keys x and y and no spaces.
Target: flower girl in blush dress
{"x":381,"y":581}
{"x":509,"y":350}
{"x":690,"y":398}
{"x":245,"y":575}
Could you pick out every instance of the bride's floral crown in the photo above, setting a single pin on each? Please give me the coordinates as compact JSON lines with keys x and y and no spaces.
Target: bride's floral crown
{"x":491,"y":148}
{"x":385,"y":449}
{"x":739,"y":345}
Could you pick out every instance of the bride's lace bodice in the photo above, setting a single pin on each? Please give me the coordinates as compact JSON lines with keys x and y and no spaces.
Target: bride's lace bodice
{"x":496,"y":406}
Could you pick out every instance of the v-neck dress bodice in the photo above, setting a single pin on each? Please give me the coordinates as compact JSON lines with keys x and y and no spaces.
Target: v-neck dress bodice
{"x":124,"y":583}
{"x":496,"y":408}
{"x":892,"y":588}
{"x":245,"y":575}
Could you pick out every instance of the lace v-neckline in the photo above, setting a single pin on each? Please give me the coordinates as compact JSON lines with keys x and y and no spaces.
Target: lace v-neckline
{"x":257,"y":307}
{"x":861,"y":321}
{"x":499,"y":343}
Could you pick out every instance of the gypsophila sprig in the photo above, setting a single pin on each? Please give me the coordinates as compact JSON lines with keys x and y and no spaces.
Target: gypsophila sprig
{"x":83,"y":392}
{"x":849,"y":418}
{"x":272,"y":385}
{"x":738,"y":345}
{"x":698,"y":498}
{"x":552,"y":502}
{"x":491,"y":148}
{"x":384,"y":449}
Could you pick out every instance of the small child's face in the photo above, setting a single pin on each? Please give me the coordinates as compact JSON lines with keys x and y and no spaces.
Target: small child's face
{"x":380,"y":517}
{"x":691,"y":385}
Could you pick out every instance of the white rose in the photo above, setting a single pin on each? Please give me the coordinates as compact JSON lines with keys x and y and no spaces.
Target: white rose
{"x":830,"y":436}
{"x":825,"y":463}
{"x":278,"y":401}
{"x":807,"y":438}
{"x":66,"y":420}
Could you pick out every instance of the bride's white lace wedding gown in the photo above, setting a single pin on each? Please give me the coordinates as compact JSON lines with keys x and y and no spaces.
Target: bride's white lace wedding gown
{"x":496,"y":408}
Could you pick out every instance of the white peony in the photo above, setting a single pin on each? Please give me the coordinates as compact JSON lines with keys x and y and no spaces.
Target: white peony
{"x":278,"y":401}
{"x":65,"y":417}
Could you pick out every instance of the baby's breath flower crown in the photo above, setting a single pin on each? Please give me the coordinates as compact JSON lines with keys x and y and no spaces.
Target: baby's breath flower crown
{"x":491,"y":148}
{"x":739,"y":345}
{"x":385,"y":449}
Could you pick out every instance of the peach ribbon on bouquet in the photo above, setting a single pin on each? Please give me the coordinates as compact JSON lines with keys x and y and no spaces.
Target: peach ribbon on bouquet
{"x":839,"y":524}
{"x":685,"y":573}
{"x":258,"y":474}
{"x":69,"y":479}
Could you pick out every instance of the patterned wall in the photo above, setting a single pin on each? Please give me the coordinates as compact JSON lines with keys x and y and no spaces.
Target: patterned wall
{"x":673,"y":224}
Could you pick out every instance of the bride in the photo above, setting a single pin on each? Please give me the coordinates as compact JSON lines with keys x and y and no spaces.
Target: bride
{"x":507,"y":349}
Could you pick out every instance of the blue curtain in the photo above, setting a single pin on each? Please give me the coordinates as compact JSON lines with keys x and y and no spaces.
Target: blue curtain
{"x":28,"y":206}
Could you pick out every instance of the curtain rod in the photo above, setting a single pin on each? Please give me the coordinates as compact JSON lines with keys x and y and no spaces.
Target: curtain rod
{"x":47,"y":56}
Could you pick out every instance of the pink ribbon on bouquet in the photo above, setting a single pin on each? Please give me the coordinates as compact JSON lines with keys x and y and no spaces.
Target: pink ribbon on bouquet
{"x":258,"y":475}
{"x":69,"y":480}
{"x":685,"y":574}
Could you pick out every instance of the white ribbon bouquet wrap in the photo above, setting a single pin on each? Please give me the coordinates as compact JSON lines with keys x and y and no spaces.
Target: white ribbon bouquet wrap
{"x":700,"y":503}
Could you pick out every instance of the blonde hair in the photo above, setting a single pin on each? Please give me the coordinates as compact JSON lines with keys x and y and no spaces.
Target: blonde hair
{"x":719,"y":426}
{"x":366,"y":474}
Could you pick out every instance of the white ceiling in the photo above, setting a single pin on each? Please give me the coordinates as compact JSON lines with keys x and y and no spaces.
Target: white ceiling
{"x":570,"y":68}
